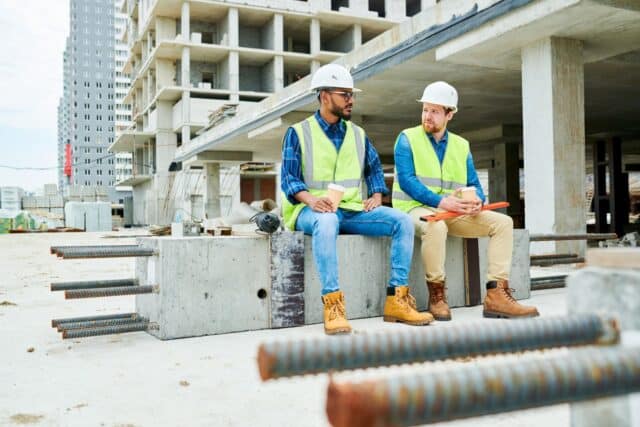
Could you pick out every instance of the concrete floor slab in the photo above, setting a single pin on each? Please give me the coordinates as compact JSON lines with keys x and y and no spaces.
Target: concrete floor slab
{"x":137,"y":380}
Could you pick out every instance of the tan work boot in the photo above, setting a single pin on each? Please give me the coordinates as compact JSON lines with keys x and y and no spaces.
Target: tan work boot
{"x":335,"y":315}
{"x":401,"y":307}
{"x":500,"y":303}
{"x":438,"y":306}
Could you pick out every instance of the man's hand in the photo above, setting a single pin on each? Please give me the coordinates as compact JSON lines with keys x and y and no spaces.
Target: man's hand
{"x":452,"y":203}
{"x":372,"y":202}
{"x":320,"y":204}
{"x":477,"y":207}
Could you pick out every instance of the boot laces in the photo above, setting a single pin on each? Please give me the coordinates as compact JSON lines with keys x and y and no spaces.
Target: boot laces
{"x":438,"y":294}
{"x":508,"y":292}
{"x":409,"y":300}
{"x":337,"y":310}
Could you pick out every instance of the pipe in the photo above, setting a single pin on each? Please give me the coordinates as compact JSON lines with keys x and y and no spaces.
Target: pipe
{"x":277,"y":360}
{"x":110,"y":292}
{"x":56,"y":322}
{"x":107,"y":330}
{"x":481,"y":390}
{"x":93,"y":284}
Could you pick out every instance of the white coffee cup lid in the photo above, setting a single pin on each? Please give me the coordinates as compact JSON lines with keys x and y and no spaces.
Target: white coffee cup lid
{"x":336,"y":187}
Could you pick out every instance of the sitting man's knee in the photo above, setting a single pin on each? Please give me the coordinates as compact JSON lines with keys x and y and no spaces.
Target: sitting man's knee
{"x":326,"y":223}
{"x":435,"y":228}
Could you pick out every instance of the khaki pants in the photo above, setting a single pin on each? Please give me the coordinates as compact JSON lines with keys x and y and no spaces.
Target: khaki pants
{"x":498,"y":227}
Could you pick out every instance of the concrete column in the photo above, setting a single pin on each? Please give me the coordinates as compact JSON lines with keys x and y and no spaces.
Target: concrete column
{"x":278,"y":33}
{"x":186,"y":117}
{"x":395,"y":10}
{"x":609,"y":286}
{"x":185,"y":68}
{"x":185,"y":21}
{"x":278,"y":184}
{"x":234,"y":75}
{"x":504,"y":180}
{"x":212,"y":190}
{"x":233,"y":25}
{"x":554,"y":141}
{"x":314,"y":66}
{"x":314,"y":36}
{"x":357,"y":35}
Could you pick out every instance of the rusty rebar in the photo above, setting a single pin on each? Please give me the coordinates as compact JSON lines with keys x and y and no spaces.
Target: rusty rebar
{"x":559,"y":237}
{"x":98,"y":323}
{"x":473,"y":391}
{"x":276,"y":360}
{"x":107,"y":330}
{"x":93,"y":284}
{"x":112,"y":251}
{"x":110,"y":292}
{"x":56,"y":322}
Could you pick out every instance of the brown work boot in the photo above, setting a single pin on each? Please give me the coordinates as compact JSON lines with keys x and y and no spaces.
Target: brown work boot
{"x":335,"y":315}
{"x":500,"y":303}
{"x":438,"y":301}
{"x":401,"y":307}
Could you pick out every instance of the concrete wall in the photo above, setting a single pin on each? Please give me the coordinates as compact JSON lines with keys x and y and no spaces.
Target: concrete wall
{"x":251,"y":78}
{"x":206,"y":27}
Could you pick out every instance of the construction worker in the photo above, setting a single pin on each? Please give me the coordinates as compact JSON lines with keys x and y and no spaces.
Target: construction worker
{"x":327,"y":148}
{"x":433,"y":165}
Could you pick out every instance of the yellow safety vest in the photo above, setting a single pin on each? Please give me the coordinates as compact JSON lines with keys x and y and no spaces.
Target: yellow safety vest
{"x":442,"y":178}
{"x":322,"y":165}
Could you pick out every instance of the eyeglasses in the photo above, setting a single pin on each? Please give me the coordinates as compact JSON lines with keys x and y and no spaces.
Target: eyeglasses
{"x":347,"y":96}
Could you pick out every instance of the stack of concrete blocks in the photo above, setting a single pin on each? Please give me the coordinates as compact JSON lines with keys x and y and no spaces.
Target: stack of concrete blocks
{"x":102,"y":194}
{"x":88,"y":193}
{"x":74,"y":193}
{"x":610,"y":286}
{"x":88,"y":216}
{"x":207,"y":289}
{"x":50,"y":190}
{"x":29,"y":203}
{"x":56,"y":206}
{"x":11,"y":198}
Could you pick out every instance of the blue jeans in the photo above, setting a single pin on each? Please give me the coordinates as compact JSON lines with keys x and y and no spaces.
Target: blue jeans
{"x":382,"y":221}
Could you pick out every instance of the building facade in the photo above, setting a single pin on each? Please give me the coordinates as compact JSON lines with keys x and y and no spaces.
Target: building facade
{"x":87,"y":105}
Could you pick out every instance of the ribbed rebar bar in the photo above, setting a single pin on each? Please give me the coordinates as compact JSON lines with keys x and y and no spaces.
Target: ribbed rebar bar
{"x":557,"y":261}
{"x":276,"y":360}
{"x":106,"y":330}
{"x":548,"y":282}
{"x":114,"y":251}
{"x":56,"y":250}
{"x":558,"y":237}
{"x":56,"y":322}
{"x":109,"y":292}
{"x":93,"y":284}
{"x":98,"y":323}
{"x":473,"y":391}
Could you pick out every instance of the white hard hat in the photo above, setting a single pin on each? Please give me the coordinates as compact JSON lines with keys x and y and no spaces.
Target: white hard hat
{"x":441,"y":93}
{"x":332,"y":75}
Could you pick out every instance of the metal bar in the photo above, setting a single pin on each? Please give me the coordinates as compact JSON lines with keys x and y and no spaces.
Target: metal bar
{"x":548,"y":285}
{"x":558,"y":237}
{"x":93,"y":284}
{"x":106,"y":330}
{"x":110,"y":292}
{"x":474,"y":391}
{"x":104,"y":252}
{"x":552,"y":256}
{"x":56,"y":250}
{"x":556,"y":261}
{"x":277,"y":360}
{"x":56,"y":322}
{"x":98,"y":323}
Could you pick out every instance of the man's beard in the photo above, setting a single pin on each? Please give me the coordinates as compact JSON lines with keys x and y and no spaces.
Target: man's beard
{"x":431,"y":127}
{"x":339,"y":112}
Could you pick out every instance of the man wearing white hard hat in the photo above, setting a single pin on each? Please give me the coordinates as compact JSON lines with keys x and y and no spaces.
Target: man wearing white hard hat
{"x":325,"y":161}
{"x":435,"y":173}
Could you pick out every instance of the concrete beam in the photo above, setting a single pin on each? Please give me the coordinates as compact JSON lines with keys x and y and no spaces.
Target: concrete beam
{"x":220,"y":157}
{"x":554,"y":142}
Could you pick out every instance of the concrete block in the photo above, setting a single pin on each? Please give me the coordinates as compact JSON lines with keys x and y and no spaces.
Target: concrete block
{"x":612,"y":291}
{"x":56,"y":202}
{"x":42,"y":202}
{"x":205,"y":284}
{"x":94,"y":216}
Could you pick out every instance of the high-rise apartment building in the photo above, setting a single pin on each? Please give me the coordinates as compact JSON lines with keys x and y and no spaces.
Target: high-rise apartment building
{"x":89,"y":98}
{"x":122,"y":110}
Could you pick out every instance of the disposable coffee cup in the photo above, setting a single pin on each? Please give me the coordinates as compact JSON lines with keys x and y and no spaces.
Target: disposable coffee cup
{"x":335,"y":194}
{"x":468,"y":193}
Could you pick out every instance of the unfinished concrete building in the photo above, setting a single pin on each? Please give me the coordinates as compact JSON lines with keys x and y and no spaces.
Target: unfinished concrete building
{"x":547,"y":86}
{"x":195,"y":63}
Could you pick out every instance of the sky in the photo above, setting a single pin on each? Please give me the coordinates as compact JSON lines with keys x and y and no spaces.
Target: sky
{"x":33,"y":33}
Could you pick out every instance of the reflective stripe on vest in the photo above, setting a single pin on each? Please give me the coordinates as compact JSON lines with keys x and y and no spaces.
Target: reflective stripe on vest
{"x":321,"y":166}
{"x":442,"y":178}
